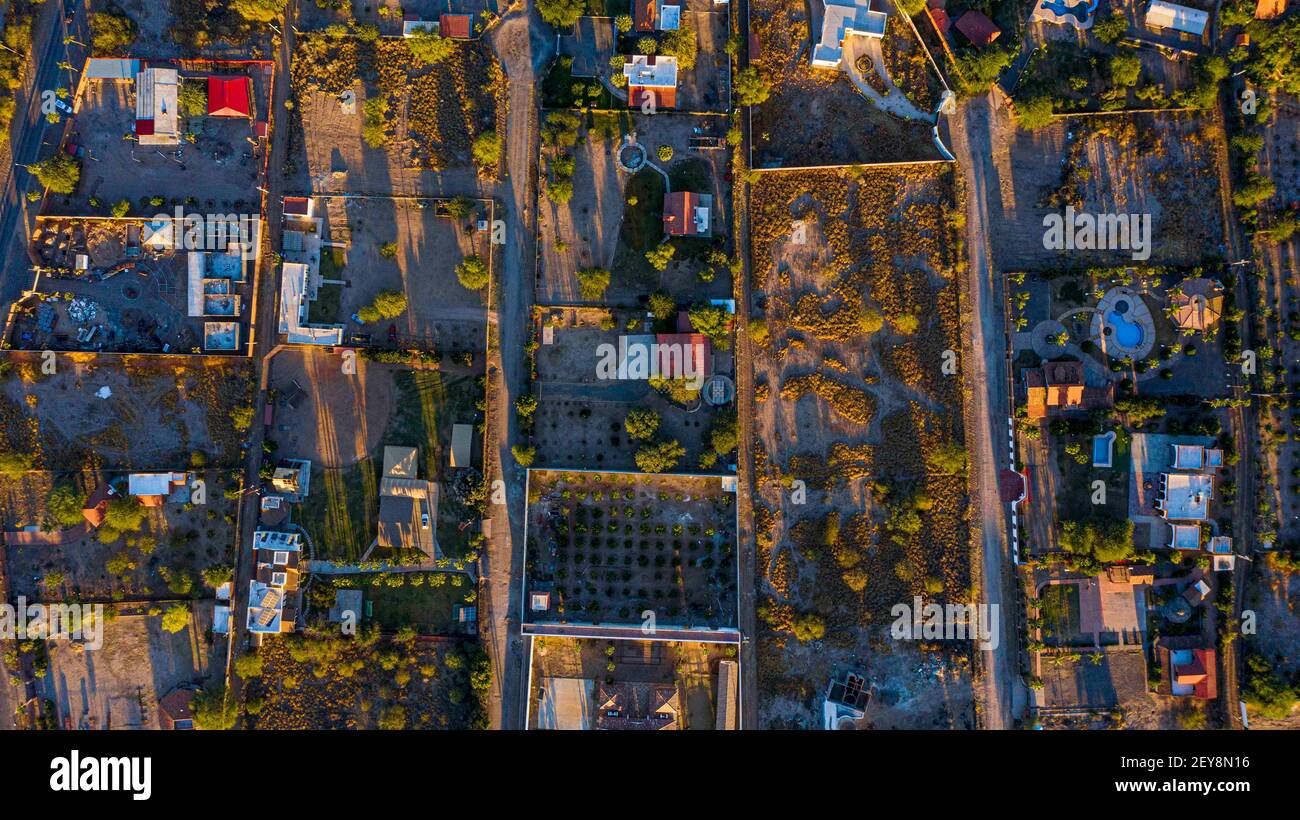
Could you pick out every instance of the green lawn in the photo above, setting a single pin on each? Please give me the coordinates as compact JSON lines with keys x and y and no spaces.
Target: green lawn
{"x":339,"y":515}
{"x":427,"y":607}
{"x":558,"y":90}
{"x":428,"y":403}
{"x":1074,"y":501}
{"x":325,"y":310}
{"x":643,"y":229}
{"x":1058,"y":606}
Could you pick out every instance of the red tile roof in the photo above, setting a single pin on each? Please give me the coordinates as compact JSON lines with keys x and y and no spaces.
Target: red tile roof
{"x":696,"y":345}
{"x":663,"y":97}
{"x":679,"y":210}
{"x":456,"y":26}
{"x":977,"y":27}
{"x":228,"y":96}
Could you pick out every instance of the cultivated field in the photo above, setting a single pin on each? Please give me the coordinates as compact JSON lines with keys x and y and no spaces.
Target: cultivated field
{"x":611,"y":546}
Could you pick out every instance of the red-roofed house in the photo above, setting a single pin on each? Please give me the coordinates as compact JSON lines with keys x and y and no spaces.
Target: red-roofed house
{"x":651,"y":77}
{"x":174,"y":710}
{"x":96,"y":506}
{"x":676,"y":349}
{"x":688,"y":214}
{"x":1190,"y":669}
{"x":456,"y":26}
{"x":978,"y":28}
{"x":229,"y":96}
{"x":1059,"y":386}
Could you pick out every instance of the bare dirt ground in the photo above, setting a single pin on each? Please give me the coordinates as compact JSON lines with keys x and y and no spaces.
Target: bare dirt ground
{"x":850,"y":414}
{"x":815,"y":116}
{"x":432,"y":115}
{"x":1274,"y":597}
{"x":341,"y":417}
{"x":119,"y":685}
{"x":440,"y":312}
{"x":1157,"y":164}
{"x":156,"y":411}
{"x":388,"y":15}
{"x":585,"y":232}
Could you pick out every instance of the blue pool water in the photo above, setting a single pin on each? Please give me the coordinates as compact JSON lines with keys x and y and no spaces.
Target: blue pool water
{"x":1126,"y":333}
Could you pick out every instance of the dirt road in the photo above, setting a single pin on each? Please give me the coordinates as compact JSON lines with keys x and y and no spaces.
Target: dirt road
{"x":525,"y":46}
{"x":978,"y":125}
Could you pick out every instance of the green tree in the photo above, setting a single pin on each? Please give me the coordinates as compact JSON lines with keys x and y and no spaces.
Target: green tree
{"x":192,"y":99}
{"x":175,"y":618}
{"x":387,"y":304}
{"x":713,"y":321}
{"x":1112,"y":28}
{"x":393,"y":718}
{"x":526,"y":405}
{"x":1034,"y":113}
{"x":258,"y":11}
{"x":121,"y":209}
{"x":561,"y":13}
{"x":60,"y":173}
{"x":681,"y":44}
{"x":212,"y":711}
{"x":473,"y":273}
{"x":660,"y":255}
{"x":624,"y":24}
{"x":662,"y":305}
{"x":659,"y":458}
{"x":1125,"y":70}
{"x":124,"y":515}
{"x":750,"y":87}
{"x":1105,"y":541}
{"x":641,"y":423}
{"x":430,"y":48}
{"x":248,"y":665}
{"x":64,"y":505}
{"x":592,"y":283}
{"x":111,"y":32}
{"x":487,"y":151}
{"x":524,"y":455}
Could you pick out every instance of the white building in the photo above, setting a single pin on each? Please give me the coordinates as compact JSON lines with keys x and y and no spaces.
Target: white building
{"x":1170,"y":16}
{"x":156,"y":115}
{"x":843,"y":19}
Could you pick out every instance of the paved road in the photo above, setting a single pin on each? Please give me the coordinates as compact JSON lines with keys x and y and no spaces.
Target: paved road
{"x":975,"y":128}
{"x":27,"y":138}
{"x":32,"y":138}
{"x":525,"y":46}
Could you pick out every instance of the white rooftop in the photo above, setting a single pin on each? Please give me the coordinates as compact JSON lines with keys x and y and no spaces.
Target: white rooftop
{"x":642,"y":73}
{"x":152,"y":483}
{"x":1178,"y":18}
{"x":1185,"y":537}
{"x":842,"y":19}
{"x":1188,"y":456}
{"x":293,"y":310}
{"x":1185,"y":497}
{"x":275,"y":540}
{"x":155,"y":100}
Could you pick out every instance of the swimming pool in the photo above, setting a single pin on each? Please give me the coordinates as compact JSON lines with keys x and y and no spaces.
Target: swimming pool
{"x":1127,"y":333}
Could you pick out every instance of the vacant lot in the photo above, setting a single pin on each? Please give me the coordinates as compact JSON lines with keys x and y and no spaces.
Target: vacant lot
{"x":816,"y":116}
{"x":334,"y":682}
{"x":370,"y":118}
{"x":615,"y":217}
{"x":119,"y":685}
{"x":155,"y":413}
{"x":692,"y":667}
{"x":342,"y":424}
{"x":398,"y":245}
{"x":859,"y":452}
{"x":612,"y":546}
{"x":1162,"y":165}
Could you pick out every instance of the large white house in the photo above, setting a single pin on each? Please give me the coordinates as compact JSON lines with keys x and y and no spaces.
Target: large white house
{"x":842,"y":19}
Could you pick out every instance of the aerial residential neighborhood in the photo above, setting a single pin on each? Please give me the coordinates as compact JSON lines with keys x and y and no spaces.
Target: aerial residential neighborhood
{"x":611,"y":365}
